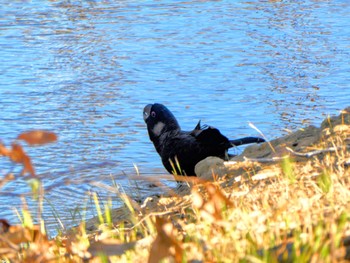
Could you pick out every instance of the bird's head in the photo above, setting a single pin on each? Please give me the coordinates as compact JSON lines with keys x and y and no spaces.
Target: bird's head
{"x":159,"y":120}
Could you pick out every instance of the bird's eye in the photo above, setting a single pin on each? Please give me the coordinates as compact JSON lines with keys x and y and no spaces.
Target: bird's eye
{"x":153,"y":114}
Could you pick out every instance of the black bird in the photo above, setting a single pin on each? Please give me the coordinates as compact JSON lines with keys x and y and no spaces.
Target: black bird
{"x":182,"y":150}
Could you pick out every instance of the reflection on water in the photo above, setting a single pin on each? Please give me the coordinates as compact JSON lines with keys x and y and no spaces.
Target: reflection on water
{"x":85,"y":70}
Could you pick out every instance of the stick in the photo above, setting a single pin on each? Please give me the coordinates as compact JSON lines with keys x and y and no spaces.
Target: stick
{"x":313,"y":153}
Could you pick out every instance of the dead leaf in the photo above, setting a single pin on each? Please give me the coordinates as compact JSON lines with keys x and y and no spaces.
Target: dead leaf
{"x":18,"y":155}
{"x":4,"y":226}
{"x":211,"y":207}
{"x":37,"y":137}
{"x":18,"y":234}
{"x":165,"y":244}
{"x":109,"y":247}
{"x":77,"y":242}
{"x":3,"y":150}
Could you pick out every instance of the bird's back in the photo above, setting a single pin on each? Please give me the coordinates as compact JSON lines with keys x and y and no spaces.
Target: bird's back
{"x":181,"y":151}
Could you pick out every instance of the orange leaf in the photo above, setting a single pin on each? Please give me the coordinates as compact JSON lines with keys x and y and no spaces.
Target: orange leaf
{"x":3,"y":150}
{"x":165,"y":243}
{"x":18,"y":155}
{"x":37,"y":137}
{"x":27,"y":166}
{"x":212,"y":207}
{"x":18,"y":234}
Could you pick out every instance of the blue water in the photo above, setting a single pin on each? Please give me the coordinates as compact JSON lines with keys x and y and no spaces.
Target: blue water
{"x":86,"y":69}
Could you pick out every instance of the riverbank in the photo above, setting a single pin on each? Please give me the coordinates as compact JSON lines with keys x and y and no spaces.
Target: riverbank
{"x":282,"y":201}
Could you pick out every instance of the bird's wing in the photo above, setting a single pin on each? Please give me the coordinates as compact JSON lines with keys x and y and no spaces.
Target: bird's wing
{"x":200,"y":127}
{"x":209,"y":136}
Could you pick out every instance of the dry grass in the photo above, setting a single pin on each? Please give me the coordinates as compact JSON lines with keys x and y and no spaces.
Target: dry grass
{"x":293,"y":210}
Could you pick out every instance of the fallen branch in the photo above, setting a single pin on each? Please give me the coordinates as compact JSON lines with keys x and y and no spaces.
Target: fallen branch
{"x":317,"y":152}
{"x":266,"y":160}
{"x":299,"y":154}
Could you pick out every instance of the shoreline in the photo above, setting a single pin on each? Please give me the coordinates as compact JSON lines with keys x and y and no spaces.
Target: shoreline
{"x":287,"y":200}
{"x":300,"y":157}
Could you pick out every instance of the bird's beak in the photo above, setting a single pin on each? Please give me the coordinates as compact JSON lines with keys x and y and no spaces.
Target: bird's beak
{"x":147,"y":111}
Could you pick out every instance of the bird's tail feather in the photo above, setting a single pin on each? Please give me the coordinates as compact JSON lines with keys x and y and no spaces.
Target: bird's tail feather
{"x":246,"y":140}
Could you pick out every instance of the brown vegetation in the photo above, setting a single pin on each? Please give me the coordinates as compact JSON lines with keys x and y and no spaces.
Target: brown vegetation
{"x":284,"y":201}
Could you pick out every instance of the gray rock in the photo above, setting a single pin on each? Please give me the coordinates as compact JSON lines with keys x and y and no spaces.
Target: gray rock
{"x":210,"y":168}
